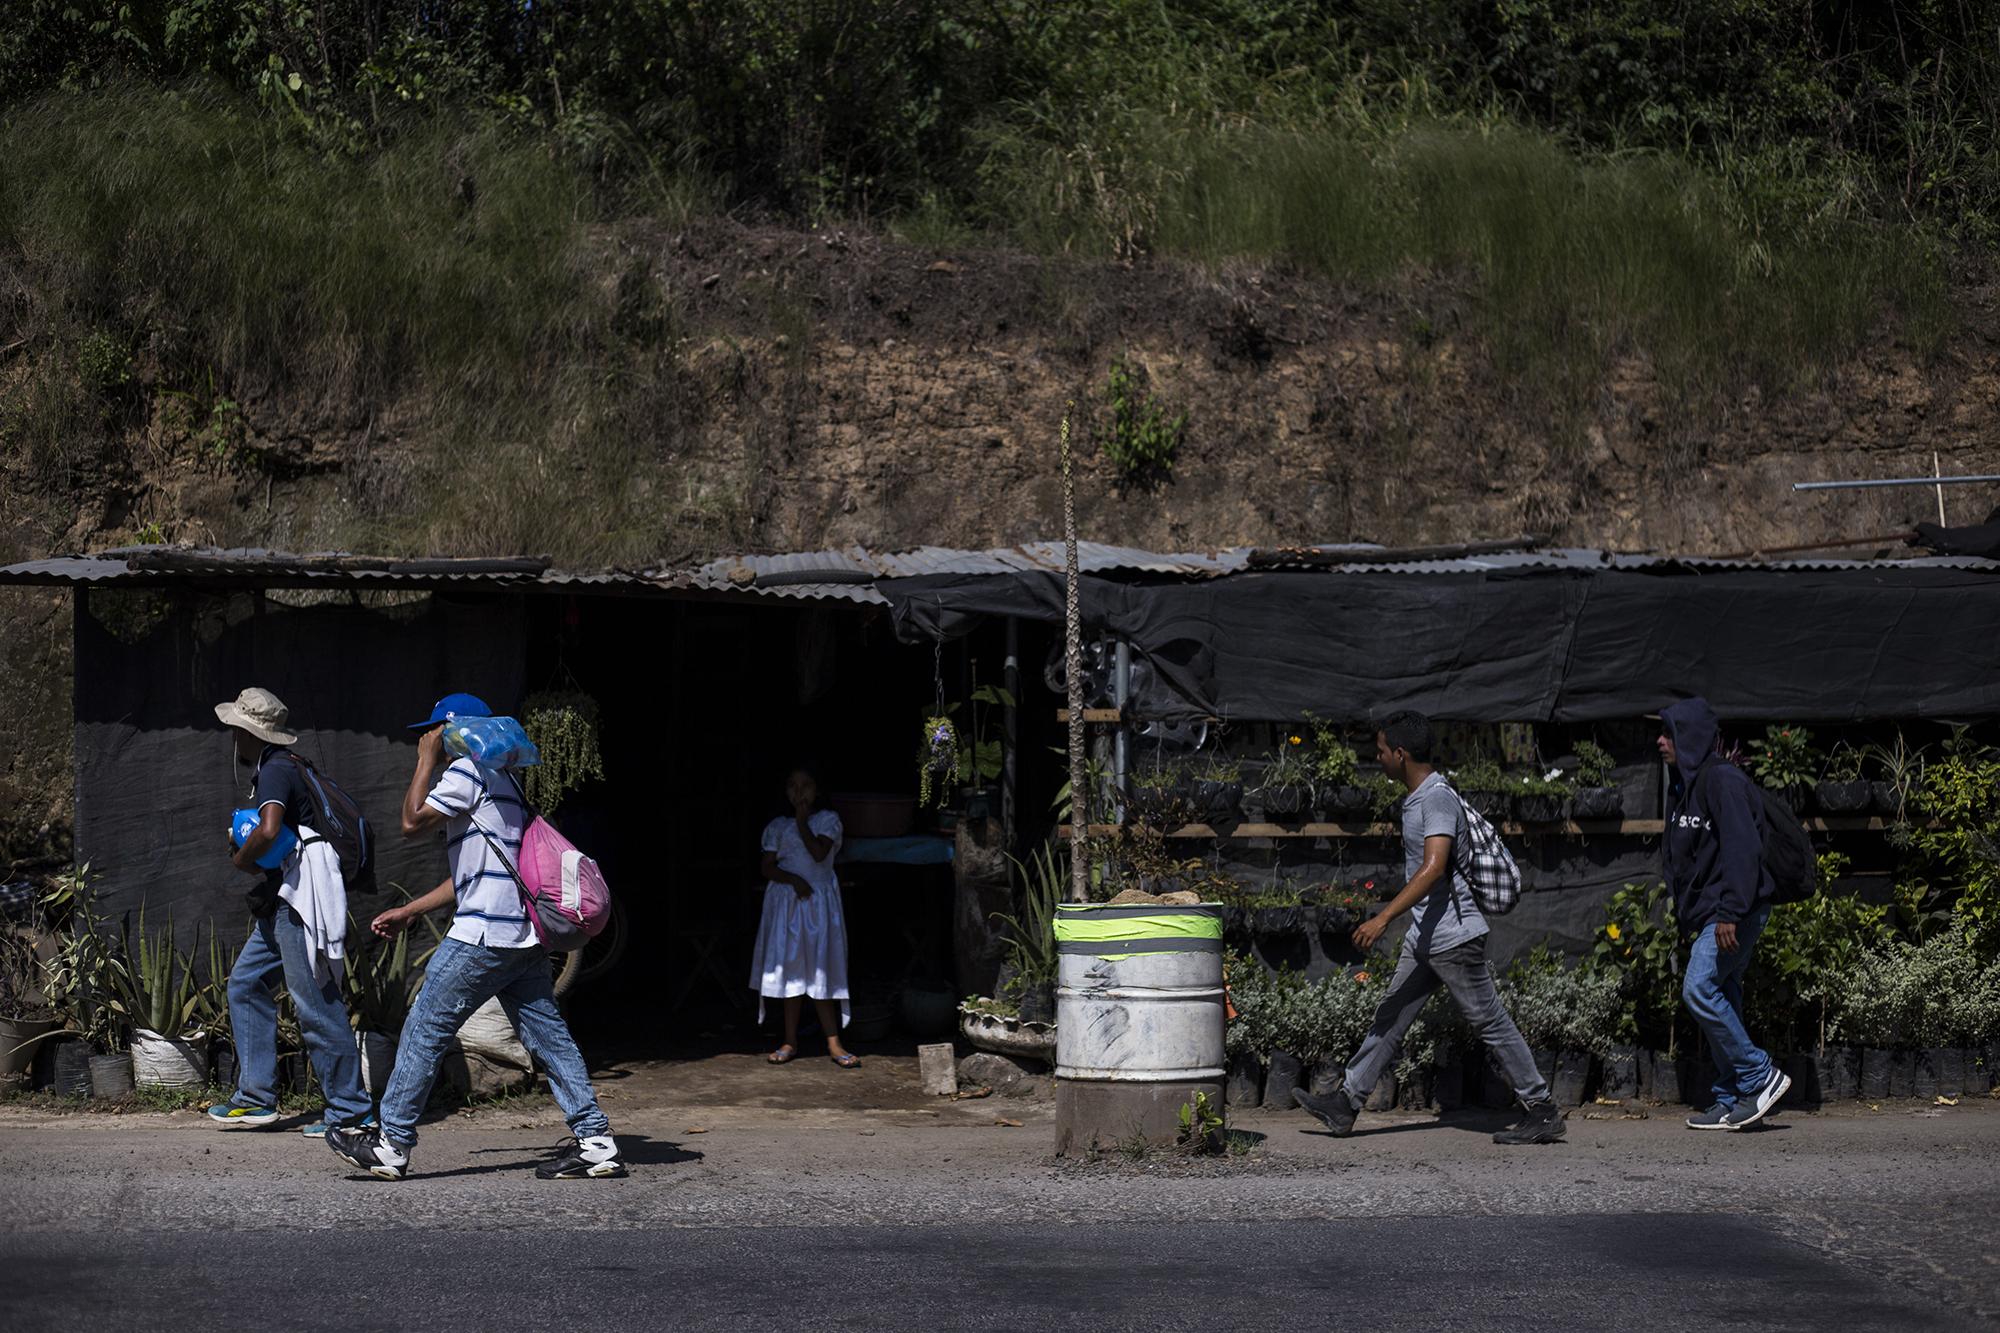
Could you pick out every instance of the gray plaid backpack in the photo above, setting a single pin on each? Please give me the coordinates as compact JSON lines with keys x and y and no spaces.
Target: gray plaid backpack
{"x":1487,"y":865}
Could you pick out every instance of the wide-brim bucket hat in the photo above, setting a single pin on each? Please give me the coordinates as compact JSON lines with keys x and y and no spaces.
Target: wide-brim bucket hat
{"x":259,"y":712}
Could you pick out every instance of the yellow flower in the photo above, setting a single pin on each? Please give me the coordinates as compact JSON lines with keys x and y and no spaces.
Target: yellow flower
{"x":1298,"y":740}
{"x":1612,"y":930}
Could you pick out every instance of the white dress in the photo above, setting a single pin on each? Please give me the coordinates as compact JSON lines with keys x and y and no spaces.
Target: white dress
{"x":802,"y":942}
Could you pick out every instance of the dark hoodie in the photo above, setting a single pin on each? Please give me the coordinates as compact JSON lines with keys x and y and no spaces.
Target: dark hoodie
{"x":1715,"y":825}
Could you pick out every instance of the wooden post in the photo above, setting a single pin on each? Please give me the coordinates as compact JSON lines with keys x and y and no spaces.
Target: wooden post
{"x":1079,"y":788}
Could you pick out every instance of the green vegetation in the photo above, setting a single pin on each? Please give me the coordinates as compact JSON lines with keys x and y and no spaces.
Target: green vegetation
{"x":368,"y":207}
{"x":1145,"y":434}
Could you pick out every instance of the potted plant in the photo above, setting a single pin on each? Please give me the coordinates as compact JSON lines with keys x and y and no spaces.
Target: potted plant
{"x":1286,"y":788}
{"x":937,"y":760}
{"x":1157,"y":797}
{"x":1901,"y":772}
{"x":1542,"y":799}
{"x":380,"y":981}
{"x":1482,"y":786}
{"x":1596,"y":795}
{"x":1842,"y":789}
{"x":86,"y":980}
{"x":1030,"y":937}
{"x":982,"y":758}
{"x":1218,"y":788}
{"x":1385,"y":797}
{"x":168,"y":1049}
{"x":1786,"y":762}
{"x":25,"y":1014}
{"x":1336,"y":773}
{"x":212,"y":1011}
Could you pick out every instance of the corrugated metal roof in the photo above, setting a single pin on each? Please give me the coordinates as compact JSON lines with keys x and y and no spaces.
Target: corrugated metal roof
{"x":850,"y":574}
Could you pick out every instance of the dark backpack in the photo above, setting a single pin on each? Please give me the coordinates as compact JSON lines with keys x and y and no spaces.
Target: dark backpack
{"x":338,"y":820}
{"x":1788,"y":850}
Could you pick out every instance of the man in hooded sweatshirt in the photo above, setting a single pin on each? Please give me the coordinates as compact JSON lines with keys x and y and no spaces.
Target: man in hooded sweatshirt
{"x":1722,"y":897}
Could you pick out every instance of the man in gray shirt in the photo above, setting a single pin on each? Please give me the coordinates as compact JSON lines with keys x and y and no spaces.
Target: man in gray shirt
{"x":1445,"y":946}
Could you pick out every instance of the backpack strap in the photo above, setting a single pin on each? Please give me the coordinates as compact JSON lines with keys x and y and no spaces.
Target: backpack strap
{"x":520,"y":885}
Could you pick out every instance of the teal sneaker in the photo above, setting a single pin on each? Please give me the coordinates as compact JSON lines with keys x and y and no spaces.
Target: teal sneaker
{"x":233,"y":1115}
{"x":317,"y":1129}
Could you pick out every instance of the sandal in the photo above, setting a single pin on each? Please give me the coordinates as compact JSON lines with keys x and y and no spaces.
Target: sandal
{"x":784,"y":1055}
{"x":848,"y":1061}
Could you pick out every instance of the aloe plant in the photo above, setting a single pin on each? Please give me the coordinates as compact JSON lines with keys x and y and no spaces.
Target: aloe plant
{"x":158,"y":986}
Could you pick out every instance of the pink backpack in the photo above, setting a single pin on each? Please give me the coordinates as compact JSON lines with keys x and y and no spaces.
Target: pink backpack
{"x":568,"y":902}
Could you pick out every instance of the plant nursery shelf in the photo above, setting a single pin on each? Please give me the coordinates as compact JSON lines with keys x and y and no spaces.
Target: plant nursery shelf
{"x":1092,"y":715}
{"x":1638,"y":827}
{"x":1652,"y":826}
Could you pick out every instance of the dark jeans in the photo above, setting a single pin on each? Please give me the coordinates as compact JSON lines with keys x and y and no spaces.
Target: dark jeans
{"x":1464,"y":972}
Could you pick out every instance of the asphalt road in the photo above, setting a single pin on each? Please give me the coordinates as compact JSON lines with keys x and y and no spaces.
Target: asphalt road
{"x":1661,"y":1271}
{"x":1872,"y":1219}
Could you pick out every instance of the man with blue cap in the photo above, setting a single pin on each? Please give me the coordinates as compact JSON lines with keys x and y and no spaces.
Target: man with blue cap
{"x":490,"y":950}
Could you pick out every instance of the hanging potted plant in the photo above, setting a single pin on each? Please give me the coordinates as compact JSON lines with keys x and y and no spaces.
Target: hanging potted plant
{"x":1286,"y":788}
{"x":1842,"y":790}
{"x":1218,"y":790}
{"x":169,"y":1050}
{"x":937,"y":761}
{"x":1596,"y":795}
{"x":563,"y":726}
{"x":1542,"y":799}
{"x":1483,"y":787}
{"x":1157,"y":797}
{"x":1900,"y":771}
{"x":1786,"y":763}
{"x":1336,"y":773}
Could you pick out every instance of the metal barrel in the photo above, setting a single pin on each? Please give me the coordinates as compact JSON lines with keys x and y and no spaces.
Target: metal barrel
{"x":1139,"y":1019}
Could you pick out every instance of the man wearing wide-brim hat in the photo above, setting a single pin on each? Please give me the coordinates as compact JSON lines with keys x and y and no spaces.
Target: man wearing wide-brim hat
{"x":297,"y":931}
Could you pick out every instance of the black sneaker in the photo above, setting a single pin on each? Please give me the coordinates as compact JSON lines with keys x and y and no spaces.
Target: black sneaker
{"x":1336,"y":1112}
{"x":594,"y":1158}
{"x":367,"y":1149}
{"x":1541,"y":1123}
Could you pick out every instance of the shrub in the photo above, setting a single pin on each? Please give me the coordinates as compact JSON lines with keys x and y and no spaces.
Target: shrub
{"x":1562,"y":1007}
{"x":1145,"y":435}
{"x":1936,"y":993}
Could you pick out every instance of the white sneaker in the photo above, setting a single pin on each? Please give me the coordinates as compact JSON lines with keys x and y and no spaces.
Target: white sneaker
{"x":367,"y":1149}
{"x":593,"y":1158}
{"x":1749,"y":1113}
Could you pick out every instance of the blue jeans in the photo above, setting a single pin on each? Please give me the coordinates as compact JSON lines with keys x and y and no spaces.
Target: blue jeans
{"x":1713,"y":993}
{"x":460,"y":978}
{"x":277,"y":944}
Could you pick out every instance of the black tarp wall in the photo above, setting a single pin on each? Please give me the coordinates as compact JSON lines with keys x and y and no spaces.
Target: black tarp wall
{"x":1883,"y":641}
{"x":155,"y":779}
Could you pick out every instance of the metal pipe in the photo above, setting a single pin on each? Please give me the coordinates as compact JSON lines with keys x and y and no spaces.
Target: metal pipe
{"x":1121,"y":694}
{"x":1893,"y":481}
{"x":1010,"y":680}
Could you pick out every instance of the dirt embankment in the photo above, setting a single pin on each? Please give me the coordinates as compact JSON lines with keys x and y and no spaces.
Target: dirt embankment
{"x":844,"y":387}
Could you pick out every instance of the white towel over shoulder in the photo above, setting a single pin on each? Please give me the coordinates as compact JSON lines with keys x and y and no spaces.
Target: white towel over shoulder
{"x":314,"y":888}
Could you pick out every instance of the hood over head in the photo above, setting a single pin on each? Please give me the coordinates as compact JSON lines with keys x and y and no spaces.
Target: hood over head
{"x":1693,"y":727}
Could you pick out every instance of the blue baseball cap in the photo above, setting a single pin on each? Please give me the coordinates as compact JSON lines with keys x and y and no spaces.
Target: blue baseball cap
{"x":465,"y":705}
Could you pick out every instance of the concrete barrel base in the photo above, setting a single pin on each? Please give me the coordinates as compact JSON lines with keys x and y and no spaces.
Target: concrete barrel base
{"x":1107,"y":1115}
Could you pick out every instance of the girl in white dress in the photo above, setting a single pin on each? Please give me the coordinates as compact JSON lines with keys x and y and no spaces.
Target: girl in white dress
{"x":802,"y":941}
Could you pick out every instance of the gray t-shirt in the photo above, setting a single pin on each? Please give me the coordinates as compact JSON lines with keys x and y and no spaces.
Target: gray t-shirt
{"x":1447,"y":916}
